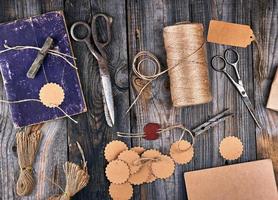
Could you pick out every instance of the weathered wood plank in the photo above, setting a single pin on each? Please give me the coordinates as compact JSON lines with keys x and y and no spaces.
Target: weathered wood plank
{"x":146,"y":21}
{"x":53,"y":149}
{"x":92,"y":131}
{"x":265,"y":25}
{"x":225,"y":95}
{"x":141,"y":23}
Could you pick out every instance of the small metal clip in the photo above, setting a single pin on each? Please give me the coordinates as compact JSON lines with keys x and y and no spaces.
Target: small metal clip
{"x":40,"y":57}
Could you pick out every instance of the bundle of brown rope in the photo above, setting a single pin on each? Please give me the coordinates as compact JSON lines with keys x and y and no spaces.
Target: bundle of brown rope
{"x":76,"y":178}
{"x":27,"y":140}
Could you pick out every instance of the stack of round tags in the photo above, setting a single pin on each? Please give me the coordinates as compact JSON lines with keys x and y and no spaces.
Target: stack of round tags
{"x":134,"y":166}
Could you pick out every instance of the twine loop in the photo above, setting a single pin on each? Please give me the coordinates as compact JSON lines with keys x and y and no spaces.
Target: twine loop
{"x":137,"y":68}
{"x":143,"y":56}
{"x":27,"y":145}
{"x":26,"y":182}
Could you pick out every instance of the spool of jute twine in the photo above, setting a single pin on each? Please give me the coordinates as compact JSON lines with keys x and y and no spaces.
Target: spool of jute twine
{"x":189,"y":79}
{"x":27,"y":141}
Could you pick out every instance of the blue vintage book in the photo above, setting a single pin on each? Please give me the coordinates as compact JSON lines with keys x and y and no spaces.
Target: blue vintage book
{"x":14,"y":65}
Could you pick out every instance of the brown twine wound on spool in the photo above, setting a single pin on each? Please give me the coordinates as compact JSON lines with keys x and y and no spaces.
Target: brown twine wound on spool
{"x":189,"y":82}
{"x":76,"y":178}
{"x":187,"y":55}
{"x":27,"y":145}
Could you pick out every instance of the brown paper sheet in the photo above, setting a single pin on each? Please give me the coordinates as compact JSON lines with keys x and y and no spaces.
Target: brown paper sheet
{"x":230,"y":33}
{"x":246,"y":181}
{"x":272,"y":102}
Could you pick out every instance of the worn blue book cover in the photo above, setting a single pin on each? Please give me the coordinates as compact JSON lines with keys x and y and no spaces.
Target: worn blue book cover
{"x":14,"y":65}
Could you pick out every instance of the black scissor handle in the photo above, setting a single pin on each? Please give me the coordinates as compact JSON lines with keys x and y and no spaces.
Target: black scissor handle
{"x":231,"y":56}
{"x":108,"y":21}
{"x":218,"y":66}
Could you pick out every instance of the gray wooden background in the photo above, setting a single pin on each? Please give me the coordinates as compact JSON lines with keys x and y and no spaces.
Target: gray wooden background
{"x":138,"y":25}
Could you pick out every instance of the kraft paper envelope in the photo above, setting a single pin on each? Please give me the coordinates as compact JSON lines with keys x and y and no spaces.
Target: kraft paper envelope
{"x":246,"y":181}
{"x":272,"y":102}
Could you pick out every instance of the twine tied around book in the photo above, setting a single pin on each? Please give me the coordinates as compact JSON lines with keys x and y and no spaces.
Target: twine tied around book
{"x":27,"y":141}
{"x":77,"y":178}
{"x":50,"y":51}
{"x":53,"y":87}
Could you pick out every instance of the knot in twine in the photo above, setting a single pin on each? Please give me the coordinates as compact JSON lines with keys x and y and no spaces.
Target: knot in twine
{"x":76,"y":178}
{"x":27,"y":145}
{"x":143,"y":56}
{"x":56,"y":53}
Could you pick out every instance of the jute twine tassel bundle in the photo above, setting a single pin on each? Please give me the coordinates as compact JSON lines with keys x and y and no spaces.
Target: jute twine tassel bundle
{"x":189,"y":80}
{"x":27,"y":145}
{"x":76,"y":179}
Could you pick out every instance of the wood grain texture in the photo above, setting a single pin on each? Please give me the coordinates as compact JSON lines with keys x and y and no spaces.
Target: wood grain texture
{"x":92,"y":131}
{"x":265,"y":20}
{"x":53,"y":148}
{"x":147,"y":19}
{"x":138,"y":25}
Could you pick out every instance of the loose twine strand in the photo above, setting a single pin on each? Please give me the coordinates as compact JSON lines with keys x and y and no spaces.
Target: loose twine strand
{"x":189,"y":81}
{"x":27,"y":145}
{"x":150,"y":78}
{"x":76,"y":178}
{"x":37,"y":100}
{"x":52,"y":52}
{"x":169,"y":128}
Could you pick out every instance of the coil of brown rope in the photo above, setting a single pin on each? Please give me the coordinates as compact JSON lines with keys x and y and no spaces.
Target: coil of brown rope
{"x":27,"y":141}
{"x":77,"y":178}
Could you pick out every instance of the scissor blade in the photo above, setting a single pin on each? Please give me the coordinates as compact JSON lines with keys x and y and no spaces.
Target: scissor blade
{"x":251,"y":110}
{"x":108,"y":101}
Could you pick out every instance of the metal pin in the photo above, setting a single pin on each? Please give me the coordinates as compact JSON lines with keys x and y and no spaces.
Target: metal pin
{"x":40,"y":57}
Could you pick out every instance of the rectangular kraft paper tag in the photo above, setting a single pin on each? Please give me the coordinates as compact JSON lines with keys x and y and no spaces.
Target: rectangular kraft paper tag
{"x":226,"y":33}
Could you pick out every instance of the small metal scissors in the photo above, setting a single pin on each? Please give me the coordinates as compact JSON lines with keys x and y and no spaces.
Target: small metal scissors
{"x":101,"y":57}
{"x":231,"y":58}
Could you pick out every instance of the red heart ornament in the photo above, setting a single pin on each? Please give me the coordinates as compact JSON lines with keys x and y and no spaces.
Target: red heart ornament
{"x":151,"y":131}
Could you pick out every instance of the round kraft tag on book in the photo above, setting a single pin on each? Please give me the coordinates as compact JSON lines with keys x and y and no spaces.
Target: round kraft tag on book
{"x":52,"y":95}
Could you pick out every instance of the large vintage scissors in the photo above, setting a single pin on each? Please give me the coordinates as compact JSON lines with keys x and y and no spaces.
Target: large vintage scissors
{"x":231,"y":58}
{"x":101,"y":56}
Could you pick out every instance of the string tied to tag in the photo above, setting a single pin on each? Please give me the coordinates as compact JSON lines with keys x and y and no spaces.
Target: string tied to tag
{"x":47,"y":89}
{"x":141,"y":161}
{"x":152,"y":131}
{"x":77,"y":178}
{"x":37,"y":100}
{"x":27,"y":141}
